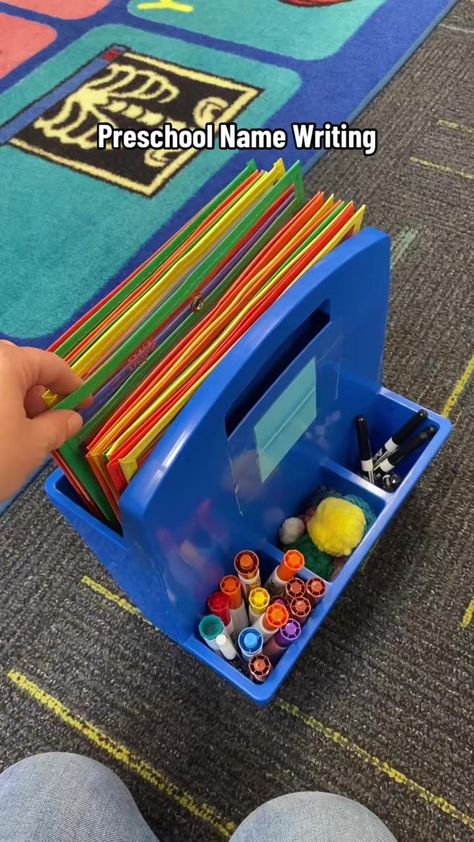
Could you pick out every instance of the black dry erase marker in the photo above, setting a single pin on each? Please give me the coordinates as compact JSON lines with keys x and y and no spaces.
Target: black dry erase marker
{"x":401,"y":435}
{"x":366,"y":462}
{"x":393,"y":459}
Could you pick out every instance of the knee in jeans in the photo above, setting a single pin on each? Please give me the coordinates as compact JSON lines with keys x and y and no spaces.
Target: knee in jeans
{"x":311,"y":816}
{"x":58,"y":764}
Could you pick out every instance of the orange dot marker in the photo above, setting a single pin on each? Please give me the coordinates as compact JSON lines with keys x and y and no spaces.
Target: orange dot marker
{"x":295,"y":587}
{"x":260,"y":668}
{"x":300,"y":608}
{"x":293,"y":562}
{"x":315,"y":590}
{"x":247,"y":565}
{"x":230,"y":585}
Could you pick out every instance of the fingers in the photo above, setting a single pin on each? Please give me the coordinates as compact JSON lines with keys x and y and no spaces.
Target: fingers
{"x":35,"y":367}
{"x":49,"y":370}
{"x":34,"y":403}
{"x":52,"y":429}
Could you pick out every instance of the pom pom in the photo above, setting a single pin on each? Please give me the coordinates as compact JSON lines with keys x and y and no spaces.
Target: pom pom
{"x":291,"y":529}
{"x":337,"y":526}
{"x":370,"y":516}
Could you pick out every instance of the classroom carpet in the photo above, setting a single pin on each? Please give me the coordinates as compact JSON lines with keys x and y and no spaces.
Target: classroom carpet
{"x":379,"y":707}
{"x":89,"y":216}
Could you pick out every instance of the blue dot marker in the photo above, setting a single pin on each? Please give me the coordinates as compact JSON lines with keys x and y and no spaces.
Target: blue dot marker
{"x":250,"y":642}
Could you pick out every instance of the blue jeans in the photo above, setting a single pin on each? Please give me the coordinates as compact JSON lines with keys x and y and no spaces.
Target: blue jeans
{"x":68,"y":798}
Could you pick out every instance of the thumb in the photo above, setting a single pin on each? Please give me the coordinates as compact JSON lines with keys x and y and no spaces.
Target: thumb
{"x":52,"y":429}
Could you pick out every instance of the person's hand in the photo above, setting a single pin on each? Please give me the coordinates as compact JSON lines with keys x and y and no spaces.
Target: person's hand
{"x":27,"y":431}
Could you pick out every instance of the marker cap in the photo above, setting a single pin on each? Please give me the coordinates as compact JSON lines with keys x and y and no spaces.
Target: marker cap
{"x":293,"y":562}
{"x":246,"y":563}
{"x":226,"y":647}
{"x":260,"y":667}
{"x":315,"y":590}
{"x":259,"y":600}
{"x":276,"y":616}
{"x":279,"y":600}
{"x":289,"y":633}
{"x":230,"y":585}
{"x":209,"y":628}
{"x":218,"y":603}
{"x":250,"y":642}
{"x":295,"y":587}
{"x":300,"y":608}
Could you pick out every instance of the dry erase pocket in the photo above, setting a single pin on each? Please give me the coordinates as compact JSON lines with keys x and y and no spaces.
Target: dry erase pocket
{"x":274,"y":421}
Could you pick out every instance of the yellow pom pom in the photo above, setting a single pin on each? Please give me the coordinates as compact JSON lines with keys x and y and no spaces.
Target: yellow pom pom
{"x":337,"y":526}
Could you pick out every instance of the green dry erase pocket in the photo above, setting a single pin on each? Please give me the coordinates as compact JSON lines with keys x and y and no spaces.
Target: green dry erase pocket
{"x":81,"y":332}
{"x":180,"y":296}
{"x":180,"y":278}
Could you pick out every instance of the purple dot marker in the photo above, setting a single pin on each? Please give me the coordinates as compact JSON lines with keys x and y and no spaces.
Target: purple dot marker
{"x":288,"y":634}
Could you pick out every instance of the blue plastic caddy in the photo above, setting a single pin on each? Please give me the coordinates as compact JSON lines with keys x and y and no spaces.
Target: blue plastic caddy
{"x":274,"y":421}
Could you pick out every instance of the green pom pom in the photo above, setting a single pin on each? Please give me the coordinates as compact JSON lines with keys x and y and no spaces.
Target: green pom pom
{"x":320,"y":563}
